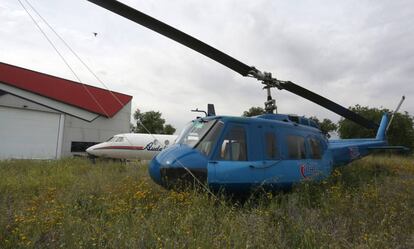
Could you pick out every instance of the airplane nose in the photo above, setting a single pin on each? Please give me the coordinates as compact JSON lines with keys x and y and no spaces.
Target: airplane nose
{"x":90,"y":149}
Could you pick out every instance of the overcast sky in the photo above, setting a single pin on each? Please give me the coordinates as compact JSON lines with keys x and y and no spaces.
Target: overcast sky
{"x":352,"y":52}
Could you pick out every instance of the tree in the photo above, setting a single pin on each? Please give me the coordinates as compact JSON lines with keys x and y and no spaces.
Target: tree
{"x":401,"y":131}
{"x":326,"y":125}
{"x":253,"y":111}
{"x":169,"y":129}
{"x":151,"y":122}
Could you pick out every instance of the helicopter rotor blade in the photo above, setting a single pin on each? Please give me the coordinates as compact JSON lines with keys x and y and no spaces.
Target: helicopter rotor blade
{"x":328,"y":104}
{"x":174,"y":34}
{"x":226,"y":60}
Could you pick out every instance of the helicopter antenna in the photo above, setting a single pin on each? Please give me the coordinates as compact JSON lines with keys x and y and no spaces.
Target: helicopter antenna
{"x":197,"y":110}
{"x":393,"y":114}
{"x":211,"y":111}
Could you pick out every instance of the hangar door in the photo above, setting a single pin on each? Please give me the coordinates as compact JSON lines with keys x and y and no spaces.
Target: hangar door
{"x":28,"y":134}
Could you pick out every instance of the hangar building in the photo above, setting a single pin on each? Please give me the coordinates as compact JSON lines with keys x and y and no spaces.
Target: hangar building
{"x":46,"y":117}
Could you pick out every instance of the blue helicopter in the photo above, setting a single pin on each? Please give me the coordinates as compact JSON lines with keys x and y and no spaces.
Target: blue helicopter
{"x":271,"y":151}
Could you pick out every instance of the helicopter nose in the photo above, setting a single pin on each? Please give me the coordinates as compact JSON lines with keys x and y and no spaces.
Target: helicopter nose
{"x":178,"y":165}
{"x":154,"y":171}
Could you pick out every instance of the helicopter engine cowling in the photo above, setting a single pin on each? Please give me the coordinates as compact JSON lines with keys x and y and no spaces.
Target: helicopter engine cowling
{"x":178,"y":165}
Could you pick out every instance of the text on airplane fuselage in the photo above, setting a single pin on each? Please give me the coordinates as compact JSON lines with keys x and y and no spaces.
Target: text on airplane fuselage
{"x":151,"y":147}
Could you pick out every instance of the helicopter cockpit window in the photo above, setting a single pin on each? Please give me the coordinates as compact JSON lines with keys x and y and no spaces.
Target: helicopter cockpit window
{"x":315,"y":146}
{"x":272,"y":151}
{"x":233,"y":147}
{"x":296,"y":147}
{"x":194,"y":132}
{"x":206,"y":145}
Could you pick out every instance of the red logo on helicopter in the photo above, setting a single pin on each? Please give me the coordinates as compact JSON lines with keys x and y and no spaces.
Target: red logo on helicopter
{"x":307,"y":170}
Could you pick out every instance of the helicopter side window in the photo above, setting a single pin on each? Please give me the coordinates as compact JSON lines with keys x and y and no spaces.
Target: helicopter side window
{"x":296,"y":147}
{"x":315,"y":146}
{"x":272,"y":151}
{"x":234,"y":146}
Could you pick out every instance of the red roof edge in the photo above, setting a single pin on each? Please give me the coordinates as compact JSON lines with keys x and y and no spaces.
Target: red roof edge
{"x":94,"y":99}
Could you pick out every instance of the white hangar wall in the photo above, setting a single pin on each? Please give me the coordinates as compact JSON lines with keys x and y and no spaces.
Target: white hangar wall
{"x":99,"y":130}
{"x":29,"y":130}
{"x":32,"y":131}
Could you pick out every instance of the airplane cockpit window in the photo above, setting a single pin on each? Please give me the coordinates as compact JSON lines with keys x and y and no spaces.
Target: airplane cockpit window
{"x":194,"y":132}
{"x":119,"y":139}
{"x":234,"y":147}
{"x":296,"y":147}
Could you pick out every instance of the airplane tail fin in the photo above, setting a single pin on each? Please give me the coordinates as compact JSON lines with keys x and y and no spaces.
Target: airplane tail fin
{"x":382,"y":130}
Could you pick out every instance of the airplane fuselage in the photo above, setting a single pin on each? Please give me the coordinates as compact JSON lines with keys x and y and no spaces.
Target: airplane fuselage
{"x":132,"y":146}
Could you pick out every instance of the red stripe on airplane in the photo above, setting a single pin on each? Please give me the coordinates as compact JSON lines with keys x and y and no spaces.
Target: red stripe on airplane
{"x":120,"y":147}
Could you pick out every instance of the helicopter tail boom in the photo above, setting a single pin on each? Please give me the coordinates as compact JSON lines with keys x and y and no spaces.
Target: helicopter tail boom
{"x":345,"y":151}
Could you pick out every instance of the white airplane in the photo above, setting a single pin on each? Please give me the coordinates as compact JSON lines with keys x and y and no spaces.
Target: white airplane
{"x":132,"y":146}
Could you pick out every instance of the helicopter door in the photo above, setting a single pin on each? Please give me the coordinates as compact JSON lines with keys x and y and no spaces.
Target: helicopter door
{"x":286,"y":170}
{"x":231,"y":167}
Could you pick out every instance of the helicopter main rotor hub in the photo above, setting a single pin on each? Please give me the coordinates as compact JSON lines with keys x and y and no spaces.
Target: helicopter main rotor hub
{"x":266,"y":78}
{"x":269,"y":82}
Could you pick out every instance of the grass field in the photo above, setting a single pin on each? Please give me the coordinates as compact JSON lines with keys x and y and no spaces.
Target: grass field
{"x":72,"y":203}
